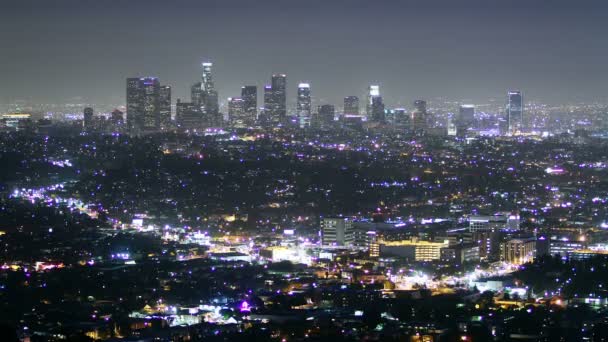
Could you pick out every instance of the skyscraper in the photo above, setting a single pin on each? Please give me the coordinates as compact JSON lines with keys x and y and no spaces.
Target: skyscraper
{"x":143,"y":104}
{"x":278,"y":111}
{"x":450,"y":125}
{"x":117,"y":123}
{"x":466,"y":119}
{"x":134,"y":104}
{"x":400,"y":117}
{"x":419,"y":125}
{"x":210,"y":97}
{"x":515,"y":111}
{"x":236,"y":112}
{"x":249,"y":94}
{"x":188,"y":115}
{"x":87,"y":122}
{"x":378,"y":114}
{"x":304,"y":105}
{"x":265,"y":118}
{"x":151,"y":97}
{"x":207,"y":83}
{"x":196,"y":94}
{"x":351,"y":105}
{"x":420,"y":106}
{"x":373,"y":91}
{"x":165,"y":107}
{"x":325,"y":116}
{"x":212,"y":108}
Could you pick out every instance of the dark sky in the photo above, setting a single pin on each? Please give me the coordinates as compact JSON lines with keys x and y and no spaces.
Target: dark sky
{"x":52,"y":50}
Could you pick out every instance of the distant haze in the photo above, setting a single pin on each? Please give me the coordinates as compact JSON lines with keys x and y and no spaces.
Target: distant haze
{"x":52,"y":50}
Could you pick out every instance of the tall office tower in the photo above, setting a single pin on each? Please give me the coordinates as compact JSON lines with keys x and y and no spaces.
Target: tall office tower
{"x":278,"y":112}
{"x":196,"y":94}
{"x":188,"y":115}
{"x":268,"y":105}
{"x":87,"y":122}
{"x":304,"y":105}
{"x":389,"y":116}
{"x":466,"y":119}
{"x":378,"y":114}
{"x":165,"y":107}
{"x":336,"y":231}
{"x":400,"y":117}
{"x":325,"y":116}
{"x":351,"y":105}
{"x":151,"y":97}
{"x":210,"y":104}
{"x":249,"y":94}
{"x":515,"y":111}
{"x":451,"y":126}
{"x":373,"y":91}
{"x":419,"y":117}
{"x":212,"y":108}
{"x":420,"y":106}
{"x":207,"y":83}
{"x":143,"y":104}
{"x":135,"y":106}
{"x":236,"y":112}
{"x":117,"y":121}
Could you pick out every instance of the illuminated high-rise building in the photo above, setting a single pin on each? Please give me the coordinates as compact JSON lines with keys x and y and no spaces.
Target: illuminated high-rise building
{"x":196,"y":94}
{"x":420,"y":106}
{"x":373,"y":91}
{"x":351,"y":105}
{"x":212,"y":108}
{"x":135,"y":105}
{"x":117,"y":121}
{"x":515,"y":111}
{"x":325,"y":116}
{"x":451,"y":126}
{"x":188,"y":115}
{"x":265,"y":115}
{"x":207,"y":83}
{"x":419,"y":118}
{"x":165,"y":107}
{"x":87,"y":122}
{"x":210,"y":98}
{"x":249,"y":94}
{"x":377,"y":110}
{"x":143,"y":104}
{"x":465,"y":119}
{"x":304,"y":105}
{"x":278,"y":108}
{"x":151,"y":97}
{"x":236,"y":112}
{"x":400,"y":117}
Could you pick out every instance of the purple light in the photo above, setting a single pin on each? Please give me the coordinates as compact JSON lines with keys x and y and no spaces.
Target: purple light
{"x":245,"y":307}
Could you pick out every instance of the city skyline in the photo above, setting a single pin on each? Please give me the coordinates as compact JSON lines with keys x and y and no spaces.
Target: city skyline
{"x":320,"y":170}
{"x":466,"y":51}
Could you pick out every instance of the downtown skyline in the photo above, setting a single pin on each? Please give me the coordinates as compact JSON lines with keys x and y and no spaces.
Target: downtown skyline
{"x":303,"y":171}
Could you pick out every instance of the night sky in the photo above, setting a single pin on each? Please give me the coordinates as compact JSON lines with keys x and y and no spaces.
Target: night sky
{"x":556,"y":51}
